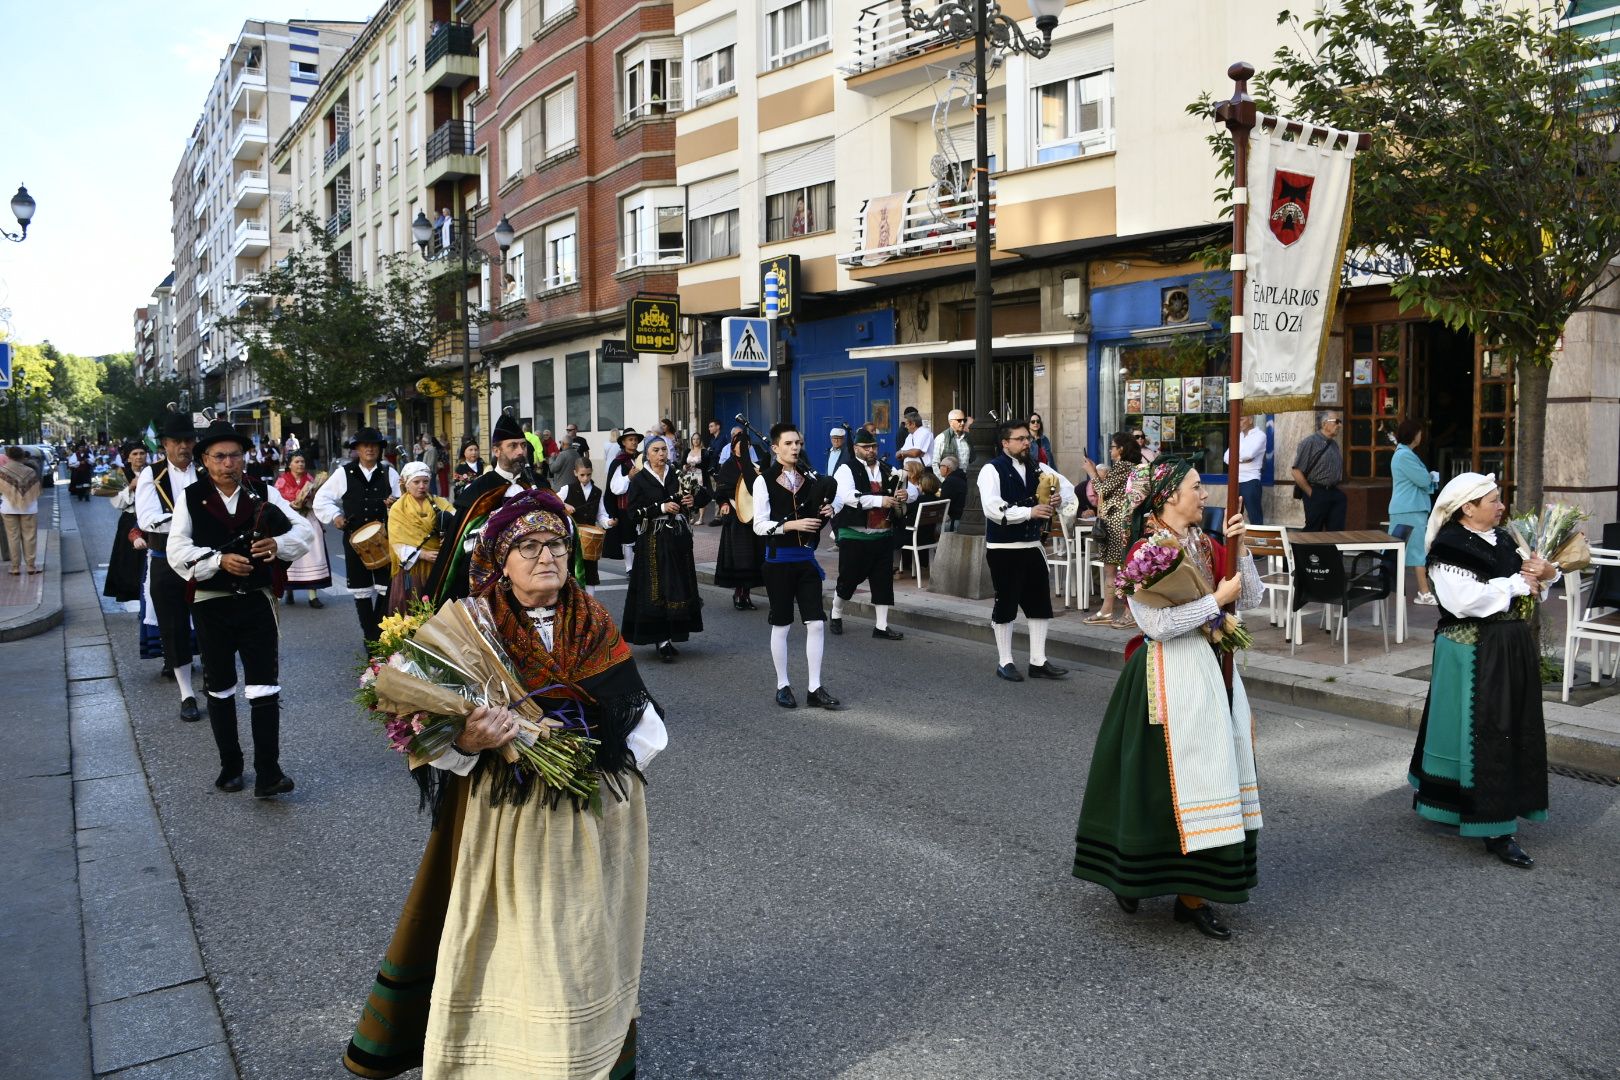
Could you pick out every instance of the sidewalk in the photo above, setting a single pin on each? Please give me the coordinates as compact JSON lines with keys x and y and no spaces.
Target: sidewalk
{"x":1388,"y":689}
{"x":103,"y":975}
{"x":32,"y":603}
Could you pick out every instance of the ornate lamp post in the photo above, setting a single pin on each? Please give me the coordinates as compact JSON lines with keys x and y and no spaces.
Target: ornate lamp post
{"x":422,"y":232}
{"x":22,"y":208}
{"x":989,"y":28}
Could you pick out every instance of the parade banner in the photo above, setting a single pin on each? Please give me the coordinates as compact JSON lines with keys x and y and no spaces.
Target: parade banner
{"x":1298,"y":221}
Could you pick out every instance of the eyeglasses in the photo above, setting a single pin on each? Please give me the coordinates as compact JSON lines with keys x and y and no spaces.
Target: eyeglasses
{"x":530,"y":549}
{"x":1018,"y":438}
{"x":224,"y":457}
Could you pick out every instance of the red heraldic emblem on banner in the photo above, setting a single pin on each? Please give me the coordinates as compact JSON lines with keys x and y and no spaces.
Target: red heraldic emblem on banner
{"x":1290,"y":205}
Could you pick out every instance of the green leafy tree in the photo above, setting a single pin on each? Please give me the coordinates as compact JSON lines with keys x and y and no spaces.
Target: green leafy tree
{"x":407,"y":310}
{"x":132,"y":404}
{"x":1492,"y":171}
{"x":28,"y":401}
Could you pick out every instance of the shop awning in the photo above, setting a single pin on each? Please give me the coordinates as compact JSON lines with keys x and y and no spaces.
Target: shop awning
{"x":1004,"y":345}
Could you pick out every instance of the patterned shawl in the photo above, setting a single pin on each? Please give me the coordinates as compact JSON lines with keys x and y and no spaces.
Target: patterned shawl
{"x":19,"y":483}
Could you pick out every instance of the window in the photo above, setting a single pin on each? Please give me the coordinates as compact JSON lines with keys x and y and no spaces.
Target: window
{"x":483,"y":177}
{"x":514,"y":290}
{"x":714,"y":74}
{"x":714,"y":236}
{"x":413,"y":124}
{"x":545,"y":394}
{"x":1074,"y":117}
{"x":360,"y":95}
{"x":796,"y":30}
{"x":609,"y":394}
{"x":512,"y":149}
{"x":650,"y":79}
{"x":376,"y":78}
{"x":376,"y":164}
{"x":562,"y":253}
{"x":559,"y":120}
{"x":365,"y":264}
{"x":799,"y":212}
{"x":393,"y":150}
{"x":579,"y":389}
{"x":509,"y":388}
{"x":554,"y":9}
{"x":393,"y":61}
{"x":653,"y":228}
{"x":483,"y":64}
{"x":511,"y":27}
{"x":305,"y":69}
{"x":413,"y":44}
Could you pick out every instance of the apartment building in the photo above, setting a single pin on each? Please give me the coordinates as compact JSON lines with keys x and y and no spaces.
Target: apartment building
{"x":574,"y":139}
{"x":221,"y":198}
{"x":154,"y":335}
{"x":145,"y":342}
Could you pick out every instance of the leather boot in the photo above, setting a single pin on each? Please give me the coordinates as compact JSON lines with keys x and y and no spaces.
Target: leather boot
{"x":370,"y":617}
{"x":222,"y":719}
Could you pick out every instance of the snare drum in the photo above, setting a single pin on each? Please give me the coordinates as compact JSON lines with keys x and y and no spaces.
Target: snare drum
{"x":591,"y":538}
{"x":370,"y":542}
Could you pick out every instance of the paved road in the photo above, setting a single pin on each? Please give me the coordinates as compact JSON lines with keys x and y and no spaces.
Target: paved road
{"x":884,"y":893}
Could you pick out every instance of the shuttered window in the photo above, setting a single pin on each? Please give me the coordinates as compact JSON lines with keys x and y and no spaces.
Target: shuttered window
{"x":799,"y":166}
{"x":1073,"y":107}
{"x":559,"y":120}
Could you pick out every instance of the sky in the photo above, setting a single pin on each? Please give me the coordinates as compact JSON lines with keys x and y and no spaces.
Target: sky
{"x":100,"y":96}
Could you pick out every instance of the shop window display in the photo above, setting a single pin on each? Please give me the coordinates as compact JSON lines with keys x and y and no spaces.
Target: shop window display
{"x":1175,"y":393}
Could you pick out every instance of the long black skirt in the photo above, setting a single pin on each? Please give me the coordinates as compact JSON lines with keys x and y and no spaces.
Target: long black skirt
{"x":126,"y":567}
{"x":662,"y":603}
{"x":740,"y":562}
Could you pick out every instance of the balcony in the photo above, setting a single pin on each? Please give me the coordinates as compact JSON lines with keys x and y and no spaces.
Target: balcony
{"x":248,"y":289}
{"x":286,"y":217}
{"x":933,"y":236}
{"x":338,"y":224}
{"x":889,"y":55}
{"x":200,"y":286}
{"x":451,"y":57}
{"x":252,"y":189}
{"x":199,"y":171}
{"x":248,"y":81}
{"x":337,"y":155}
{"x":450,"y":153}
{"x":250,"y":140}
{"x":200,"y":248}
{"x":446,"y":347}
{"x":199,"y":207}
{"x":648,"y":257}
{"x":252,"y":238}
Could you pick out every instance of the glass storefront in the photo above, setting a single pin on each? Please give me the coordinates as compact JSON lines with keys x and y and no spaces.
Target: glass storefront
{"x":1174,"y":392}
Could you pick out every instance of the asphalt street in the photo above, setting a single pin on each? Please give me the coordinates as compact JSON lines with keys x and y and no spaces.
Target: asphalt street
{"x":884,"y":893}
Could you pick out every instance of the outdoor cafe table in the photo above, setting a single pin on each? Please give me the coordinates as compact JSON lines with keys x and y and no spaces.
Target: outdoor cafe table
{"x":1367,"y":540}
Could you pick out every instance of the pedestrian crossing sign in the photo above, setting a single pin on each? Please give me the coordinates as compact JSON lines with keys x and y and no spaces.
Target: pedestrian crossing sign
{"x":747,"y":344}
{"x":5,"y":364}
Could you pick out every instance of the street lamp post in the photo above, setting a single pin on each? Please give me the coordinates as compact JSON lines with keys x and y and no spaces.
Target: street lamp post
{"x":422,"y":232}
{"x":22,"y":208}
{"x":989,"y":28}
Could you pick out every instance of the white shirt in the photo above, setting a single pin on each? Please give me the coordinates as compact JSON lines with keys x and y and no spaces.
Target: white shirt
{"x":150,"y":513}
{"x":921,"y":439}
{"x":1251,"y":455}
{"x":290,"y":545}
{"x":329,"y":500}
{"x":1464,"y":595}
{"x":996,"y":508}
{"x":602,"y":517}
{"x":865,"y":500}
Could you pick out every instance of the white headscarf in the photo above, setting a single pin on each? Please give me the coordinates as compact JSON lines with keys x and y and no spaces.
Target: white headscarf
{"x":1464,"y":488}
{"x":414,"y":469}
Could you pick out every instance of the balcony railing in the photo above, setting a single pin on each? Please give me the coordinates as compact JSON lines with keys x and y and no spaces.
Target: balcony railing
{"x":450,"y":39}
{"x":450,"y":137}
{"x":200,"y":248}
{"x":252,"y":236}
{"x":925,"y":227}
{"x":882,"y":37}
{"x":337,"y":222}
{"x":339,"y":147}
{"x":284,"y":210}
{"x":670,"y":256}
{"x":251,"y":137}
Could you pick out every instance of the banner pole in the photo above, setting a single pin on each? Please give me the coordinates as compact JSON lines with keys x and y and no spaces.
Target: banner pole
{"x":1238,"y":114}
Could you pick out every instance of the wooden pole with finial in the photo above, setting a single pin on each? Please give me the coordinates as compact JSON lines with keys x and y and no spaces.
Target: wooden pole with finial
{"x":1238,"y":114}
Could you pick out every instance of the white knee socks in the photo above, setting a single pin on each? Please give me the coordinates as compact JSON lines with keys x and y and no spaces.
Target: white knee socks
{"x":182,"y":679}
{"x":838,"y":606}
{"x":779,"y":644}
{"x":1037,"y":641}
{"x":815,"y":642}
{"x":629,"y":558}
{"x":590,"y":590}
{"x":882,"y":616}
{"x":1004,"y":634}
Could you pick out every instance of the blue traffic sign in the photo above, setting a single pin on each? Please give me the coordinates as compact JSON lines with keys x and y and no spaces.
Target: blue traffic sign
{"x":747,"y":344}
{"x":5,"y":365}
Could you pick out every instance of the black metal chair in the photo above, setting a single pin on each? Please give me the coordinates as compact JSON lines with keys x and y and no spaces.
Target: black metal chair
{"x":1322,"y":575}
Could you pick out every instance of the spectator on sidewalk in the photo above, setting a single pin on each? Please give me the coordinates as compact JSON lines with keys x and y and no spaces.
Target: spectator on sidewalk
{"x":1251,"y":459}
{"x":1040,"y":447}
{"x":953,"y":441}
{"x":952,"y":486}
{"x":19,"y":510}
{"x":919,"y":442}
{"x":1409,"y":502}
{"x":1318,"y":471}
{"x":1112,"y":530}
{"x":836,"y":454}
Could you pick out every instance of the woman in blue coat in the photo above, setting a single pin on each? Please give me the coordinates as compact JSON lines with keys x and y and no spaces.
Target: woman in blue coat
{"x":1409,"y":501}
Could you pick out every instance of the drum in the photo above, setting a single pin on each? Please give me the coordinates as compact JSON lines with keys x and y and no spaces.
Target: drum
{"x":591,"y":539}
{"x":370,"y":542}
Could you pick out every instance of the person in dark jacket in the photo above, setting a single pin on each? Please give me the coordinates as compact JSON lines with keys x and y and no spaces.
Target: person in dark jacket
{"x":952,"y":486}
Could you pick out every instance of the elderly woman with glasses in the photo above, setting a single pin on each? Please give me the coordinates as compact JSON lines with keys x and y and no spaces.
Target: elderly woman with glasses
{"x":518,"y":952}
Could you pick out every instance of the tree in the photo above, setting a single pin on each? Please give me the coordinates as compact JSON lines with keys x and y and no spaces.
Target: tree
{"x":1492,"y":172}
{"x":133,"y":404}
{"x":408,"y":323}
{"x":30,"y":395}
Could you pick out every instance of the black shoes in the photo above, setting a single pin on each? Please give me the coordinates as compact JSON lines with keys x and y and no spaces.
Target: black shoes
{"x":167,"y":673}
{"x":229,"y":780}
{"x":748,"y":603}
{"x":737,"y":602}
{"x":263,"y":789}
{"x":1127,"y":904}
{"x":1048,"y":670}
{"x":1202,"y":917}
{"x":291,"y":599}
{"x":886,"y":634}
{"x":836,"y":625}
{"x":315,"y":602}
{"x":820,"y":699}
{"x":1508,"y":850}
{"x":1009,"y":672}
{"x":188,"y":711}
{"x":785,"y":698}
{"x":667,"y":653}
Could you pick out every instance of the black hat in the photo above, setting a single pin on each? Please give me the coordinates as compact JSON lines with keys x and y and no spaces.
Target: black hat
{"x":220,"y":431}
{"x":628,"y":433}
{"x":506,"y":427}
{"x":178,"y":425}
{"x":129,"y":446}
{"x":366,"y":435}
{"x":865,"y":438}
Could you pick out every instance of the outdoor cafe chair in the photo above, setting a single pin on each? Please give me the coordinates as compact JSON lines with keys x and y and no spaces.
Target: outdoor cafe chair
{"x":1322,"y":575}
{"x":1592,"y":614}
{"x":923,"y":534}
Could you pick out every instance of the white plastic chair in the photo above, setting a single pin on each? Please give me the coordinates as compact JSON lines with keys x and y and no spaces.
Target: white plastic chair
{"x":929,"y":522}
{"x":1270,"y":542}
{"x":1592,"y":617}
{"x":1059,"y":553}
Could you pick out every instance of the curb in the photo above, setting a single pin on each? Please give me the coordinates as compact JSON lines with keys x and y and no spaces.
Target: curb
{"x":47,"y":614}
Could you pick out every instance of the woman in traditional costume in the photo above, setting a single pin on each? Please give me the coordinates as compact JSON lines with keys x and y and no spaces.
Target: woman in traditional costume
{"x":621,"y":470}
{"x":740,"y":561}
{"x":468,"y":469}
{"x":1114,"y":507}
{"x":1481,"y":758}
{"x":81,"y":471}
{"x":310,"y":570}
{"x":518,"y":954}
{"x":126,"y":566}
{"x":414,"y":535}
{"x":1172,"y":805}
{"x":662,"y":605}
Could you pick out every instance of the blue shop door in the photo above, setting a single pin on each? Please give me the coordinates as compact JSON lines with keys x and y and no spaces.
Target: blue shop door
{"x":746,"y":396}
{"x":828,"y":400}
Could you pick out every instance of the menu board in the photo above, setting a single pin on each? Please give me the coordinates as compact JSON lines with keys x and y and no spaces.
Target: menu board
{"x":1133,"y":397}
{"x":1152,"y":428}
{"x":1153,"y":396}
{"x":1167,"y":429}
{"x":1172,"y":396}
{"x":1192,"y":395}
{"x":1214,"y":394}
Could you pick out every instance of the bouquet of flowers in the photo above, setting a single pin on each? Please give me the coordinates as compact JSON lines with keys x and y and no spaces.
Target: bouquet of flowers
{"x":1554,"y":535}
{"x":1158,"y":575}
{"x":428,"y":672}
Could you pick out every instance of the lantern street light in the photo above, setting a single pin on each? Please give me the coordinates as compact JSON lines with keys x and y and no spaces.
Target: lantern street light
{"x":22,"y":208}
{"x":989,"y":28}
{"x":422,"y":232}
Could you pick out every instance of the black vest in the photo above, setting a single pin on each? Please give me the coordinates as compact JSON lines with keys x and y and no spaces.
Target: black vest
{"x":1016,"y":491}
{"x":586,"y":507}
{"x":365,"y":500}
{"x":852,"y":516}
{"x":787,"y":505}
{"x":1460,"y":548}
{"x":214,"y":529}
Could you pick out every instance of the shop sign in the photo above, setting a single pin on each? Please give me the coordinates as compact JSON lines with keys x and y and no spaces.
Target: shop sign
{"x":652,"y":325}
{"x":787,"y":283}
